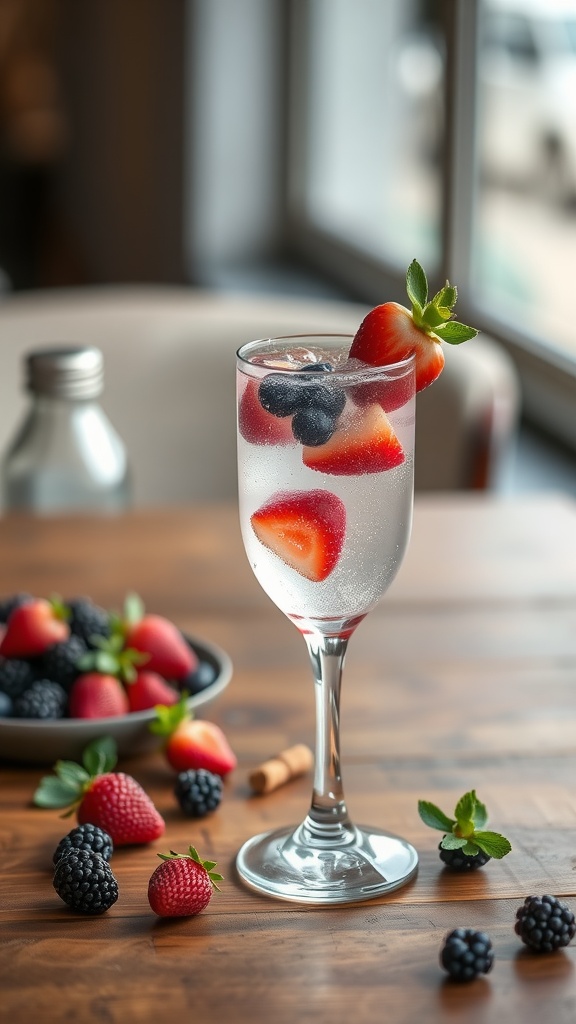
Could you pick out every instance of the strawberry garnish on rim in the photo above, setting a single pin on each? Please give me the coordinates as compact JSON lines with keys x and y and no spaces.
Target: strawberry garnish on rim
{"x":391,"y":332}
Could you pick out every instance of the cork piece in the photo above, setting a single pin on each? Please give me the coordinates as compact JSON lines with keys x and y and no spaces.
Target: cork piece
{"x":287,"y":765}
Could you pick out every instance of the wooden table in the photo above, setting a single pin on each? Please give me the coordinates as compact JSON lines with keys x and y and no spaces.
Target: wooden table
{"x":464,"y":677}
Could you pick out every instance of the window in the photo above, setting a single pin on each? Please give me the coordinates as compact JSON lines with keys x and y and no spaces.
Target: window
{"x":446,"y":131}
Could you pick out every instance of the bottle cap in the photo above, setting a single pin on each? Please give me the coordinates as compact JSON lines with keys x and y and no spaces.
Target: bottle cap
{"x":75,"y":372}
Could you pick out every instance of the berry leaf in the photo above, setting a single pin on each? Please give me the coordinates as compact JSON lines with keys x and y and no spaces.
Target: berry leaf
{"x":446,"y":298}
{"x":71,"y":774}
{"x":455,"y":333}
{"x":133,"y":609}
{"x":416,"y":285}
{"x":493,"y":844}
{"x":434,"y":817}
{"x":52,"y":792}
{"x":100,"y":756}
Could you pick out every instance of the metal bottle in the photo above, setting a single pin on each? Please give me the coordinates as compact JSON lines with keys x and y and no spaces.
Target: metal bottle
{"x":66,"y":455}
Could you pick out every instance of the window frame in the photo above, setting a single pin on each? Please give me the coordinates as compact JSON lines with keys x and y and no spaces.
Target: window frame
{"x":547,"y":376}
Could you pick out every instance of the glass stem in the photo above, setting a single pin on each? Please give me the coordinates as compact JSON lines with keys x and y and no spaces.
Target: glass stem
{"x":327,"y":822}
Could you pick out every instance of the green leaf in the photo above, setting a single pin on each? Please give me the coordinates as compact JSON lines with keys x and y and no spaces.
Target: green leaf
{"x":480,"y":814}
{"x":71,"y":774}
{"x":470,"y":850}
{"x":433,"y":317}
{"x":434,"y":817}
{"x":446,"y":297}
{"x":416,"y":285}
{"x":133,"y":609}
{"x":464,"y":810}
{"x":168,"y":718}
{"x":454,"y":333}
{"x":452,"y":842}
{"x":100,"y":756}
{"x":493,"y":844}
{"x":52,"y":792}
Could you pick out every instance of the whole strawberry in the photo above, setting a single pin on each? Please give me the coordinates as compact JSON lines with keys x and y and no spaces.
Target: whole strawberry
{"x":390,"y":332}
{"x":192,"y":742}
{"x":182,"y":885}
{"x":113,"y":801}
{"x":158,"y":640}
{"x":33,"y":627}
{"x":149,"y":689}
{"x":97,"y":695}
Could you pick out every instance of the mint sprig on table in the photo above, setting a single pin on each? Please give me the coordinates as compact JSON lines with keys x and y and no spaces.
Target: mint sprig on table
{"x":466,"y":831}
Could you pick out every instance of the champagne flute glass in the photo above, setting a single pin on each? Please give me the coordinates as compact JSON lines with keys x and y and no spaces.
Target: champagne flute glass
{"x":325,"y":468}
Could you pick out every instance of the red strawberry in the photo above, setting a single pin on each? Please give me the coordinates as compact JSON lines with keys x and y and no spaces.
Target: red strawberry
{"x":182,"y":885}
{"x":32,"y":628}
{"x":390,"y":332}
{"x":97,"y":695}
{"x":257,"y":425}
{"x":149,"y":689}
{"x":117,"y":803}
{"x":192,"y":742}
{"x":200,"y":744}
{"x":168,"y":653}
{"x":305,"y":529}
{"x":363,"y":442}
{"x":112,"y":800}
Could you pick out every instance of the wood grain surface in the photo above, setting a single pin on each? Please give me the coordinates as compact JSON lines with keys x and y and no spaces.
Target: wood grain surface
{"x":464,"y":677}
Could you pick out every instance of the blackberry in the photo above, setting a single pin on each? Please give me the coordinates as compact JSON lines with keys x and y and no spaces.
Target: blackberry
{"x":84,"y":880}
{"x":313,"y":426}
{"x":466,"y":954}
{"x":88,"y":619}
{"x":8,"y":604}
{"x":202,"y":676}
{"x":458,"y":861}
{"x":85,"y":837}
{"x":60,"y":662}
{"x":44,"y":699}
{"x":544,"y":923}
{"x":16,"y":675}
{"x":198,"y":792}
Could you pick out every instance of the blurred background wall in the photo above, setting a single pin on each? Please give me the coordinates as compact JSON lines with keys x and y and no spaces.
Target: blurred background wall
{"x":91,"y":141}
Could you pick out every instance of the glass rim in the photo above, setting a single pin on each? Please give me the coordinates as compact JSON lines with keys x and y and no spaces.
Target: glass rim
{"x":361,"y":371}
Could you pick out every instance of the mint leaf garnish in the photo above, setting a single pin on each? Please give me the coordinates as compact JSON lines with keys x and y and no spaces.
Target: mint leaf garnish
{"x":464,"y":810}
{"x":452,"y":842}
{"x":493,"y":844}
{"x":466,"y":830}
{"x":434,"y":817}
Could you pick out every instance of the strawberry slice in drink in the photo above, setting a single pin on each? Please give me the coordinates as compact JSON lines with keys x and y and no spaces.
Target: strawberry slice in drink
{"x":257,"y":425}
{"x":363,"y":442}
{"x":306,"y":529}
{"x":391,"y":332}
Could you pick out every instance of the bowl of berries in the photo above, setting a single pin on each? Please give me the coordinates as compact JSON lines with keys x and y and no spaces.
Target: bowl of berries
{"x":72,"y":671}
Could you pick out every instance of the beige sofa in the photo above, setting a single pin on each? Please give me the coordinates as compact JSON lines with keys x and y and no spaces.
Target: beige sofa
{"x":170,"y":379}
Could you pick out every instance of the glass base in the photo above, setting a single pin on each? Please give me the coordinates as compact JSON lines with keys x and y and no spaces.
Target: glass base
{"x":370,"y":863}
